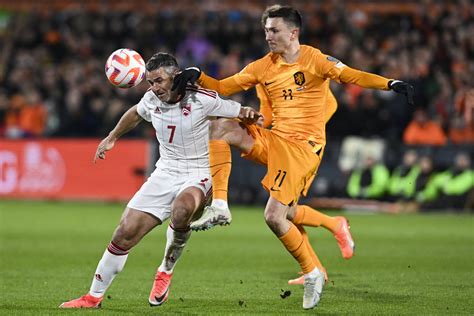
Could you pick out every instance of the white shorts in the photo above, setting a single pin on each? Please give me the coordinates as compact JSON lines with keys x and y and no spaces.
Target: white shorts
{"x":163,"y":186}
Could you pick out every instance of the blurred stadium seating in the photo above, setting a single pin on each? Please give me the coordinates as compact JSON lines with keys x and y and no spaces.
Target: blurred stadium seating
{"x":52,"y":55}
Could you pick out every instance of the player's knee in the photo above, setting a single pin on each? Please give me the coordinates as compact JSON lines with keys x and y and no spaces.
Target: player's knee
{"x":126,"y":235}
{"x":272,"y":220}
{"x":181,"y":217}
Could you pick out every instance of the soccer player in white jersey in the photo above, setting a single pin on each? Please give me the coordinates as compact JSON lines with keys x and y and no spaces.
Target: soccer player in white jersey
{"x":180,"y":183}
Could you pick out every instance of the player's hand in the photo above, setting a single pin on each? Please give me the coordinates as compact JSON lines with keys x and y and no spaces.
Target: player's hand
{"x":404,"y":88}
{"x":249,"y":115}
{"x":260,"y":120}
{"x":180,"y":81}
{"x":105,"y":145}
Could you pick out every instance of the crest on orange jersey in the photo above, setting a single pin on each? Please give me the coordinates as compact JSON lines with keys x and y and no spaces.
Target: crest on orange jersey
{"x":299,"y":78}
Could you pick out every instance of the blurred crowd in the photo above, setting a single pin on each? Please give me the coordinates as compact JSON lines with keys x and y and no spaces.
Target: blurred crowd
{"x":52,"y":81}
{"x":416,"y":183}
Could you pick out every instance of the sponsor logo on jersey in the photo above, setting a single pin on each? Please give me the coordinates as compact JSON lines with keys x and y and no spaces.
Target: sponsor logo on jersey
{"x":269,"y":83}
{"x":299,"y":78}
{"x":186,"y":109}
{"x":157,"y":110}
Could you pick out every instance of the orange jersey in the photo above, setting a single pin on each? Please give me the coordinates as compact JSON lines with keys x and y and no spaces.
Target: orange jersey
{"x":266,"y":106}
{"x":299,"y":93}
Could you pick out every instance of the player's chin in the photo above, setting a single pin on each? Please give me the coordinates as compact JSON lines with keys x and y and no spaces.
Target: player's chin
{"x":164,"y":98}
{"x":275,"y":50}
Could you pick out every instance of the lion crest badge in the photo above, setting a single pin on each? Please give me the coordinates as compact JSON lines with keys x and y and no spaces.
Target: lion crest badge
{"x":299,"y":78}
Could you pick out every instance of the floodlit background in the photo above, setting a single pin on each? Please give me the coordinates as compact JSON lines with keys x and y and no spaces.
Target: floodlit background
{"x":54,"y":93}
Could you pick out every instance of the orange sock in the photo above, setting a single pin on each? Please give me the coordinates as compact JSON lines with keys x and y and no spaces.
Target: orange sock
{"x":294,"y":243}
{"x":220,"y":160}
{"x":315,"y":258}
{"x":308,"y":216}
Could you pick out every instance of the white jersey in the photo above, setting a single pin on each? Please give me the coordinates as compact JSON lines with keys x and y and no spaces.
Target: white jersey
{"x":182,"y":129}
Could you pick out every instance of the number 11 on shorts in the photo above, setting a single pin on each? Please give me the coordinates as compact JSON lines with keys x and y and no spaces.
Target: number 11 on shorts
{"x":280,"y":177}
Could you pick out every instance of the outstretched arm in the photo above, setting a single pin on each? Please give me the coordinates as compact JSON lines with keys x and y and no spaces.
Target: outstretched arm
{"x":369,"y":80}
{"x":127,"y":122}
{"x":227,"y":86}
{"x":230,"y":85}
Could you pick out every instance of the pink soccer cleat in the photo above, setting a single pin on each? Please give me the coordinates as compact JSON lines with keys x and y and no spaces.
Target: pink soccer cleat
{"x":344,"y":238}
{"x":161,"y":289}
{"x":300,"y":280}
{"x":85,"y":301}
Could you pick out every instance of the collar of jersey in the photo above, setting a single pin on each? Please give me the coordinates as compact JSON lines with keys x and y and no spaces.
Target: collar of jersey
{"x":281,"y":62}
{"x":165,"y":105}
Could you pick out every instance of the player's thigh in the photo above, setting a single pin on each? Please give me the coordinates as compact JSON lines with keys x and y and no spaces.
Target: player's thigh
{"x":259,"y":146}
{"x":135,"y":224}
{"x":233,"y":132}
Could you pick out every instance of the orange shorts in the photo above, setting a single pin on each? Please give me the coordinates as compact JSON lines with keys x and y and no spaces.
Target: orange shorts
{"x":291,"y":166}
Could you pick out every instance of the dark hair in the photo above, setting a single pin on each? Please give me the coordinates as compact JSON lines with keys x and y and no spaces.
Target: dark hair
{"x":161,"y":60}
{"x":288,"y":14}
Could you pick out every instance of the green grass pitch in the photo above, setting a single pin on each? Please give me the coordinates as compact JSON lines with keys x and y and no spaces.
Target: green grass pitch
{"x":405,"y":264}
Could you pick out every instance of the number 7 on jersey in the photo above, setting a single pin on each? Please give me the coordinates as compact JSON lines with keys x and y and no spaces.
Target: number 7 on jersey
{"x":172,"y":128}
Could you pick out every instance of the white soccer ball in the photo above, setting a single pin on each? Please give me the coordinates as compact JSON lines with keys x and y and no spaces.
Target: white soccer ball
{"x":125,"y":68}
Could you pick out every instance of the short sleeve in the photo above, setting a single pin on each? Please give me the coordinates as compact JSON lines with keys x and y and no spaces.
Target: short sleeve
{"x":221,"y":107}
{"x":143,"y":109}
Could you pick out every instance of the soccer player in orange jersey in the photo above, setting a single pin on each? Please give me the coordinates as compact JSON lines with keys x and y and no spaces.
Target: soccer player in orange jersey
{"x":296,"y":79}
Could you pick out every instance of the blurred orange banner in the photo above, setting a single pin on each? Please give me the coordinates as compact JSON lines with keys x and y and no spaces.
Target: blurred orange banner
{"x":64,"y":169}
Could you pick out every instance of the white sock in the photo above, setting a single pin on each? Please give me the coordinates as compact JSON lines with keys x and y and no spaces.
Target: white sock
{"x":109,"y":266}
{"x":175,"y":242}
{"x":220,"y":203}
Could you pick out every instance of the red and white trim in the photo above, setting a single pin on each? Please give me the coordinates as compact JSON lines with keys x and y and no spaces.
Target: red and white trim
{"x":116,"y":250}
{"x":210,"y":93}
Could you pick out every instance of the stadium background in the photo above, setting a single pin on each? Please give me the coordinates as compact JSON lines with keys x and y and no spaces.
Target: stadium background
{"x":53,"y":84}
{"x":56,"y":104}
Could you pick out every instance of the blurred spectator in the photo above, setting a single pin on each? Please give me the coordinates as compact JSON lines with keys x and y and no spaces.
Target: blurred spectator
{"x":355,"y":151}
{"x":460,"y":132}
{"x":194,"y":49}
{"x":368,"y":182}
{"x":423,"y":131}
{"x":3,"y":111}
{"x":457,"y":185}
{"x":26,"y":117}
{"x":402,"y":183}
{"x":429,"y":182}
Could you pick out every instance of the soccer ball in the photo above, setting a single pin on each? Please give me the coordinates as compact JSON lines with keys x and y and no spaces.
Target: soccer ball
{"x":125,"y":68}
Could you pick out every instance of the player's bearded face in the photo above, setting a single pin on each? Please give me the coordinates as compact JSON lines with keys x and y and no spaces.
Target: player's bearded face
{"x":160,"y":83}
{"x":278,"y":35}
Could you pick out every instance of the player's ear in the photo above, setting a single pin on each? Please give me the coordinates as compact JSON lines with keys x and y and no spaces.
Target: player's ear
{"x":175,"y":72}
{"x":295,"y":33}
